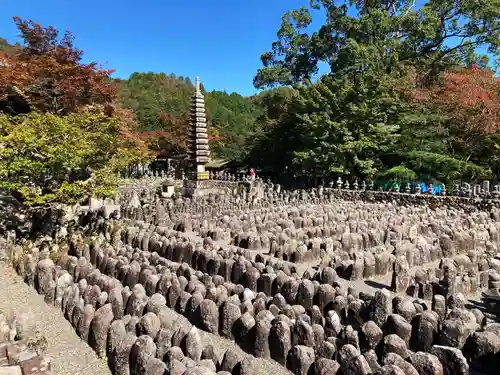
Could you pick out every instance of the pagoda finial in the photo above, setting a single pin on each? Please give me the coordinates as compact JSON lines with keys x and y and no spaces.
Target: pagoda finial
{"x":198,"y":84}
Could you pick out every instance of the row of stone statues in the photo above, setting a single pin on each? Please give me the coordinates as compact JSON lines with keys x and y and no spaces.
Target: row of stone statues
{"x":464,"y":189}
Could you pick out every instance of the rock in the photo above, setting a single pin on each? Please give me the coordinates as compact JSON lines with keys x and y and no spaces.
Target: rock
{"x":85,"y":321}
{"x":324,"y":366}
{"x":163,"y":342}
{"x":209,"y":316}
{"x":395,"y":359}
{"x":371,"y":358}
{"x":396,"y":324}
{"x":302,"y":334}
{"x":371,"y":335}
{"x":424,"y":331}
{"x":230,"y":360}
{"x":300,"y":359}
{"x":208,"y":364}
{"x":175,"y":354}
{"x":119,"y":361}
{"x":394,"y":344}
{"x":347,"y":352}
{"x":381,"y":307}
{"x":45,"y":277}
{"x":482,"y":350}
{"x":405,"y":308}
{"x":117,"y":333}
{"x":230,"y":313}
{"x":4,"y":328}
{"x":389,"y":370}
{"x":280,"y":342}
{"x":149,"y":325}
{"x":199,"y":370}
{"x":154,"y":366}
{"x":452,"y":359}
{"x":208,"y":353}
{"x":261,"y":342}
{"x":116,"y":301}
{"x":326,"y":350}
{"x":155,"y":303}
{"x":141,"y":353}
{"x":177,"y":367}
{"x":426,"y":364}
{"x":183,"y":328}
{"x":193,"y":344}
{"x":355,"y":366}
{"x":454,"y":333}
{"x":248,"y":366}
{"x":305,"y":293}
{"x":99,"y":328}
{"x":333,"y":325}
{"x":137,"y":301}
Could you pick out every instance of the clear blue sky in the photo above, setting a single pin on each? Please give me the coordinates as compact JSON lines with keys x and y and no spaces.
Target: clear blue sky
{"x":219,"y":40}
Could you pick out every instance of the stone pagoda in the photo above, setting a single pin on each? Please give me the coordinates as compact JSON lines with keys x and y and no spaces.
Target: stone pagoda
{"x":199,"y":151}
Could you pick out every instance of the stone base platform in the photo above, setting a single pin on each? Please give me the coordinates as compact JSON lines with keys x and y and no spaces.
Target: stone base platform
{"x":199,"y":188}
{"x":193,"y":189}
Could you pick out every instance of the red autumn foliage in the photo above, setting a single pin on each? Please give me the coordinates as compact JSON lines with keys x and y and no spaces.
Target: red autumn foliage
{"x":215,"y":137}
{"x":470,"y":96}
{"x":175,"y":139}
{"x":47,"y":71}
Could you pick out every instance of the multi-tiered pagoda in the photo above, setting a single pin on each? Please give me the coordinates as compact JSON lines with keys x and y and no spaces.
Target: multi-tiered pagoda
{"x":199,"y":150}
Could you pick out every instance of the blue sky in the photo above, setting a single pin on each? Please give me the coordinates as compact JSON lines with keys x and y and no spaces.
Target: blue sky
{"x":219,"y":40}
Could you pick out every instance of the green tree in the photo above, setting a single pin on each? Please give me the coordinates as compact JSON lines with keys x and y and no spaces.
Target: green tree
{"x":379,"y":35}
{"x":46,"y":158}
{"x":377,"y":52}
{"x":337,"y":127}
{"x":62,"y":138}
{"x":5,"y":46}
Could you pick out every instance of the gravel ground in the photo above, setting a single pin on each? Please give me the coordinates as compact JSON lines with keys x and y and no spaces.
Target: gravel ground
{"x":68,"y":354}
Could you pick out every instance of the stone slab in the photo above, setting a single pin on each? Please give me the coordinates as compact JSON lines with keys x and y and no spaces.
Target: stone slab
{"x":11,"y":370}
